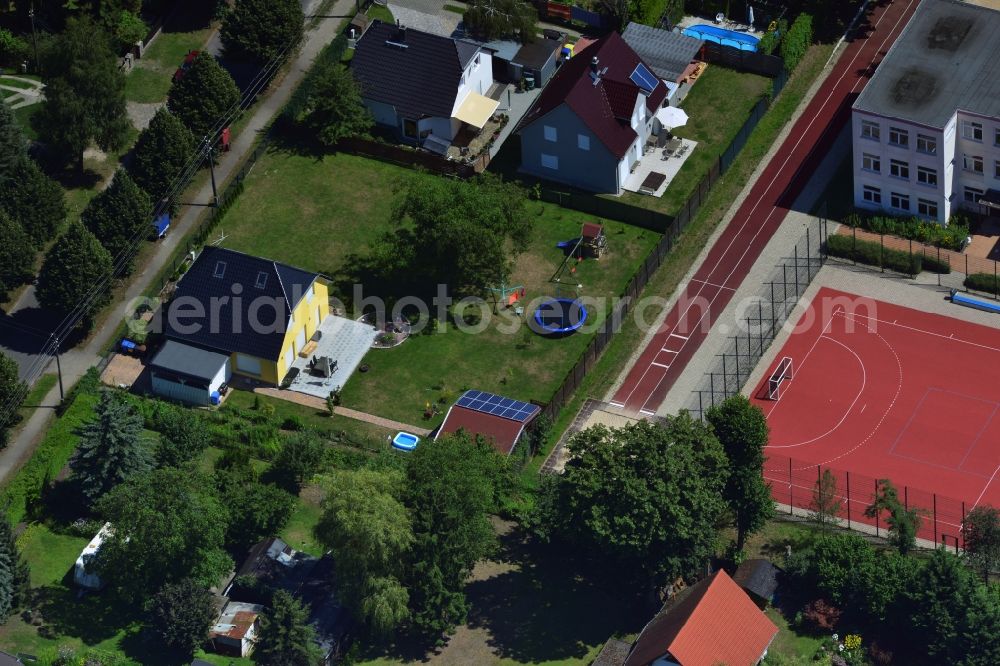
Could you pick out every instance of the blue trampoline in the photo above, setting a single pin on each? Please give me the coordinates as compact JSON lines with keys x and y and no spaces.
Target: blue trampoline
{"x":713,"y":33}
{"x":560,"y":316}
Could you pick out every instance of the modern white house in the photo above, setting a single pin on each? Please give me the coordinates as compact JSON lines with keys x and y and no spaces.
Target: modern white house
{"x":423,"y":86}
{"x":926,"y":128}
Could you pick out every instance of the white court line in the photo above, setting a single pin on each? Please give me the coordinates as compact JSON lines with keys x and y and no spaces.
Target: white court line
{"x":668,"y":351}
{"x":647,"y":412}
{"x":677,"y":335}
{"x":659,"y":365}
{"x":780,"y":171}
{"x":920,"y":330}
{"x":619,"y":405}
{"x":864,"y":382}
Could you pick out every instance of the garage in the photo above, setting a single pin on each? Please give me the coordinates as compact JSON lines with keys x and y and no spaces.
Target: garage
{"x":189,"y":374}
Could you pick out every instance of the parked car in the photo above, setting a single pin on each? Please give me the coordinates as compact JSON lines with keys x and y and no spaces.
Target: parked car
{"x":186,"y":65}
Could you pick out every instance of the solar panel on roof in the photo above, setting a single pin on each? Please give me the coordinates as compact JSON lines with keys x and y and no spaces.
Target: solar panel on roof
{"x":642,"y":77}
{"x":496,"y":405}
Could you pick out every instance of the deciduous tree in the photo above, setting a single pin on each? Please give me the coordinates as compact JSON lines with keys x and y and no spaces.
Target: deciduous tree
{"x":368,"y":532}
{"x":168,"y":525}
{"x":84,"y":94}
{"x":259,"y":30}
{"x":333,"y":109}
{"x":119,"y":217}
{"x":903,"y":522}
{"x":268,"y":509}
{"x":183,"y":435}
{"x":742,"y":430}
{"x":160,"y":154}
{"x":203,"y":96}
{"x":299,"y":458}
{"x":646,"y":496}
{"x":452,"y":484}
{"x":180,"y":616}
{"x":464,"y":234}
{"x":12,"y":144}
{"x":12,"y":391}
{"x":499,"y":19}
{"x":981,"y":533}
{"x":73,"y":267}
{"x":111,"y":449}
{"x":825,"y":500}
{"x":286,"y":638}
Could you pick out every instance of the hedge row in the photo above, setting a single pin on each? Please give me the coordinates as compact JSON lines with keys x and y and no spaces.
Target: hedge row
{"x":987,"y":282}
{"x":873,"y":254}
{"x":771,"y":39}
{"x":951,"y":237}
{"x":796,"y":41}
{"x":54,"y":452}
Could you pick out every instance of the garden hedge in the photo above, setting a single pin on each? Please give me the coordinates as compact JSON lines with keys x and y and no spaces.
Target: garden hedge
{"x":987,"y":282}
{"x":796,"y":41}
{"x":918,"y":229}
{"x":873,"y":254}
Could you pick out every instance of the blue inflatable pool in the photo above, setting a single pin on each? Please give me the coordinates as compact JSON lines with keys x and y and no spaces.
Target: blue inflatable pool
{"x":713,"y":33}
{"x":405,"y":441}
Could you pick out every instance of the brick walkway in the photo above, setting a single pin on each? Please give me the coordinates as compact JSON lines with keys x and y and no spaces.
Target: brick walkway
{"x":959,"y":262}
{"x":319,"y":404}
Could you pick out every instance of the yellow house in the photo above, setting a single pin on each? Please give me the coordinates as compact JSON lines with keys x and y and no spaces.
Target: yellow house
{"x":254,"y":315}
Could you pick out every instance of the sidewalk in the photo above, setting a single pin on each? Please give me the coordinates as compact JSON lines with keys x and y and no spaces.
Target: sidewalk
{"x":319,"y":404}
{"x":76,"y":361}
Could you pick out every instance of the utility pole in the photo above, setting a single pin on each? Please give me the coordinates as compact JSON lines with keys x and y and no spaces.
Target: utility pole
{"x":211,"y":167}
{"x":62,"y":395}
{"x":34,"y":36}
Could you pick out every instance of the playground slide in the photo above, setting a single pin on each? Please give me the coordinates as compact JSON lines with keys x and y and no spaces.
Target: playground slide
{"x":568,"y":243}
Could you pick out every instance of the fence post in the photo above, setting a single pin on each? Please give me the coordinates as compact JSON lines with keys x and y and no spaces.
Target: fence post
{"x":848,"y":500}
{"x":934,"y":500}
{"x":881,"y":252}
{"x":906,"y":498}
{"x":796,"y":271}
{"x":876,"y":512}
{"x":854,"y":246}
{"x":791,"y":496}
{"x":808,"y":255}
{"x":774,"y":321}
{"x":939,"y":284}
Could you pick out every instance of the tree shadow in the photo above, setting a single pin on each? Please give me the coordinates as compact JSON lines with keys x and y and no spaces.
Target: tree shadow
{"x":544,"y":609}
{"x":189,"y":15}
{"x":93,"y":618}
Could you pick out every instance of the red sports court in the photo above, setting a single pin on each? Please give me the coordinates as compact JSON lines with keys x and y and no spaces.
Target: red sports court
{"x":873,"y":390}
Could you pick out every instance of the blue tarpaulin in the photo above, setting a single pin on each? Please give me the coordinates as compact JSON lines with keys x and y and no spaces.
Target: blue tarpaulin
{"x":161,"y":224}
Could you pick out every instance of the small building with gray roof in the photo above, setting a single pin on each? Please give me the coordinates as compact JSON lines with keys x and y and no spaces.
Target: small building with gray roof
{"x":926,"y":127}
{"x":667,"y":53}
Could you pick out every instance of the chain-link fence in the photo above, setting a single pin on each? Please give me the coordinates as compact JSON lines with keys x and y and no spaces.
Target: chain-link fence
{"x":764,"y":317}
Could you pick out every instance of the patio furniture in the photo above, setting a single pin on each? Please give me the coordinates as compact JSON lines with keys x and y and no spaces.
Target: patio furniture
{"x":308,"y":349}
{"x":652,"y":183}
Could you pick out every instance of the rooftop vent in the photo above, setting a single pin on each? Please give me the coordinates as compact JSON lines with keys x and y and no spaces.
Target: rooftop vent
{"x":220,"y":269}
{"x":261,"y":280}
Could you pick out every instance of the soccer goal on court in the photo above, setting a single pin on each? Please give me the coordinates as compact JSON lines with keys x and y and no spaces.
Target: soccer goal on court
{"x":781,"y":373}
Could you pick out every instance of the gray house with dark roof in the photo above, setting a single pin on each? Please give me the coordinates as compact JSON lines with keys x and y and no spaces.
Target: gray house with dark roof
{"x":424,"y":87}
{"x":589,"y":125}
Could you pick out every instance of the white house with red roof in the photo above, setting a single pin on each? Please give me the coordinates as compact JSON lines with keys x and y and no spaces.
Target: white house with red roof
{"x":589,"y":125}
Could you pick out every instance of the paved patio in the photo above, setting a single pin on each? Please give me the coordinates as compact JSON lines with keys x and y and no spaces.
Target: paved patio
{"x":343,"y":340}
{"x":654,"y":162}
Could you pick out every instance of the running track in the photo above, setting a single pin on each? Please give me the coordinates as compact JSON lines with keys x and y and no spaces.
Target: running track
{"x":704,"y":298}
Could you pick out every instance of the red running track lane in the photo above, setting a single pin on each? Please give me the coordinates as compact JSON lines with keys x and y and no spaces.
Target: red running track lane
{"x":740,"y":244}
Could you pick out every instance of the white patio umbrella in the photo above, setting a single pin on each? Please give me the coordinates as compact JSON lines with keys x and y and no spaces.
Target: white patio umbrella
{"x":750,"y":15}
{"x":671,"y":117}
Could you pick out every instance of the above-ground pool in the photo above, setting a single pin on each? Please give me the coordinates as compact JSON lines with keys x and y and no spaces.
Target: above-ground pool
{"x":713,"y":33}
{"x":559,"y":316}
{"x":405,"y":441}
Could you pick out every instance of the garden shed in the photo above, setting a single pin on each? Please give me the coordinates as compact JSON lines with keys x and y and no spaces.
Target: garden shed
{"x":189,"y":374}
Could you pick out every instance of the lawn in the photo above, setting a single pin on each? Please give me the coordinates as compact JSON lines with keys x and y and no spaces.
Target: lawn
{"x":380,"y":12}
{"x":316,"y":213}
{"x":298,"y":533}
{"x":690,"y":244}
{"x":146,"y":85}
{"x":717,"y":106}
{"x":150,"y":79}
{"x":33,"y":400}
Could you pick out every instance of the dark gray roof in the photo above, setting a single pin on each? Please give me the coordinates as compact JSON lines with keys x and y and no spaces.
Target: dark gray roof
{"x":759,"y":577}
{"x":668,"y":53}
{"x":189,"y":361}
{"x":260,"y":335}
{"x":945,"y":59}
{"x":537,"y":53}
{"x":414,"y":71}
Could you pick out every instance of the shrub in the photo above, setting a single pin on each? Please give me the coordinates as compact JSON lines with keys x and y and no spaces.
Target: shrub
{"x":821,"y":615}
{"x":292,"y":422}
{"x":796,"y":41}
{"x":987,"y":282}
{"x":873,"y":254}
{"x":770,"y":41}
{"x":13,"y":49}
{"x":932,"y":264}
{"x":918,"y":229}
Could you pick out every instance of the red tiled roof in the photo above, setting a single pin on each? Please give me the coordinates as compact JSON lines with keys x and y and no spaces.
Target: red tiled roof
{"x":606,"y":108}
{"x":502,"y":433}
{"x":592,"y":229}
{"x":714,"y":623}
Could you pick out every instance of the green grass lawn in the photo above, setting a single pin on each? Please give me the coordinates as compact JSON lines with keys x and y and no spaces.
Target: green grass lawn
{"x":146,"y":85}
{"x":15,"y":82}
{"x":316,"y":213}
{"x":380,"y":12}
{"x":33,"y":400}
{"x":170,"y":47}
{"x":298,"y":533}
{"x":717,"y":106}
